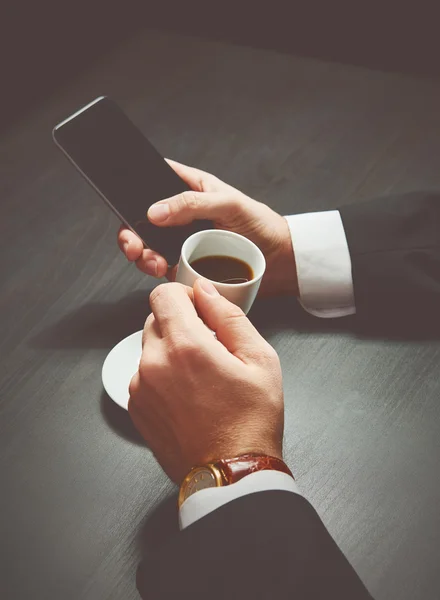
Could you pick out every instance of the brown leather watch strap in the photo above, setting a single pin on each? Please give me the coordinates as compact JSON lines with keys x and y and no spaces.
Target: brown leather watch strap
{"x":234,"y":469}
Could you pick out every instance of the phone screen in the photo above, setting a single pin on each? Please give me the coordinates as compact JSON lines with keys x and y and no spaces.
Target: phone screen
{"x":126,"y":170}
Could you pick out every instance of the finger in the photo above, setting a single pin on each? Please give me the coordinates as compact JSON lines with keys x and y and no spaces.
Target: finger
{"x":191,"y":205}
{"x":135,"y":412}
{"x":232,"y":327}
{"x":198,"y":180}
{"x":172,"y":273}
{"x":151,"y":332}
{"x":173,"y":307}
{"x":130,"y":244}
{"x":152,"y":263}
{"x":133,"y":389}
{"x":148,"y":261}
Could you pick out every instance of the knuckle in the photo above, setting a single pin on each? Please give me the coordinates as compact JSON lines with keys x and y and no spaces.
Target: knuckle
{"x":133,"y":387}
{"x":234,"y":313}
{"x":189,"y":200}
{"x":271,"y":354}
{"x":167,"y":290}
{"x":149,"y":322}
{"x":266,"y":356}
{"x":234,"y":319}
{"x":144,"y":367}
{"x":158,"y":292}
{"x":202,"y":182}
{"x":235,"y":205}
{"x":270,"y":359}
{"x":150,"y":369}
{"x":182,"y":347}
{"x":150,"y":362}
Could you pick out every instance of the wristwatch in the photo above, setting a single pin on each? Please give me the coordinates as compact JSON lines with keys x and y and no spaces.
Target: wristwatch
{"x":228,"y":471}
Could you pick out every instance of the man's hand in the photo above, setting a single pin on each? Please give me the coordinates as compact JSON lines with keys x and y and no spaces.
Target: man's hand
{"x":229,"y":209}
{"x":196,"y":398}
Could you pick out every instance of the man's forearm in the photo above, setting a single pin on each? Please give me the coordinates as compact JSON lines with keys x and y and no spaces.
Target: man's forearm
{"x":262,"y":545}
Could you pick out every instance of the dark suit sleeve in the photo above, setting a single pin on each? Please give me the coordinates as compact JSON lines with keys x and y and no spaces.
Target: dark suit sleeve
{"x":394,"y":246}
{"x":269,"y":545}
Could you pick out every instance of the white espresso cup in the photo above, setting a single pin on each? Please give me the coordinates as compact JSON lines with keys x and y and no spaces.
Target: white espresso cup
{"x":215,"y":242}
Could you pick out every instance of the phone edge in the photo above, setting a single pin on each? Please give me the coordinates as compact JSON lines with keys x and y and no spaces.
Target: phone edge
{"x":78,"y":168}
{"x":76,"y":113}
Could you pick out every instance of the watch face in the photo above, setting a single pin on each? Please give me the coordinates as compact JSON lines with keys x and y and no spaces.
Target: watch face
{"x":200,"y":479}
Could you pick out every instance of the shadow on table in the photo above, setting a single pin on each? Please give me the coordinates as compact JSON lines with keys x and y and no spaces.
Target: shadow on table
{"x":119,"y":420}
{"x":103,"y":324}
{"x":97,"y":324}
{"x":274,"y":315}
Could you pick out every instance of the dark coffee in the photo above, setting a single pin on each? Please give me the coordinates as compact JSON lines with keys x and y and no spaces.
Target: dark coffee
{"x":224,"y":269}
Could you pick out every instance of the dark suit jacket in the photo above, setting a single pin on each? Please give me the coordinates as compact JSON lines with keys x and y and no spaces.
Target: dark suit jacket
{"x":273,"y":544}
{"x":269,"y":545}
{"x":394,"y":246}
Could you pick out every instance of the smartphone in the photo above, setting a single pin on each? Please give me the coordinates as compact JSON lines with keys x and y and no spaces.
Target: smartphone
{"x":126,"y":170}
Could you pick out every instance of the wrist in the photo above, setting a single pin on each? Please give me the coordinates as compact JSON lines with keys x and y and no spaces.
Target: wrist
{"x":288,"y":262}
{"x":228,"y":471}
{"x":281,"y":275}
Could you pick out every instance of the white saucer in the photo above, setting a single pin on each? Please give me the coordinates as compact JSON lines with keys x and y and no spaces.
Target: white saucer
{"x":119,"y":367}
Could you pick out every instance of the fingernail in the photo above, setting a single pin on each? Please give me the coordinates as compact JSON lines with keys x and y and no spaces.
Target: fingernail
{"x":159,"y":212}
{"x":125,"y":246}
{"x":151,"y":266}
{"x":208,"y":287}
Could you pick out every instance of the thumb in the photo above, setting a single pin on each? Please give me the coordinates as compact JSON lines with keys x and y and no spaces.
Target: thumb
{"x":233,"y":329}
{"x":191,"y":205}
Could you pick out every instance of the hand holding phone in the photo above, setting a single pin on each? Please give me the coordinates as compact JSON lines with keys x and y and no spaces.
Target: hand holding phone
{"x":228,"y":209}
{"x":126,"y":170}
{"x":131,"y":176}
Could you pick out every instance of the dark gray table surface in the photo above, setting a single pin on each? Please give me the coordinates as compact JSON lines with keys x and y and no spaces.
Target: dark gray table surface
{"x":80,"y":494}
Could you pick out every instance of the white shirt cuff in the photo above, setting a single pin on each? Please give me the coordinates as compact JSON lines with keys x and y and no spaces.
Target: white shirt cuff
{"x":323,"y":263}
{"x":205,"y":501}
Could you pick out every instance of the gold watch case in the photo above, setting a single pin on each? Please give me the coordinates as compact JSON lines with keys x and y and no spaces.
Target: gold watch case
{"x":200,"y":478}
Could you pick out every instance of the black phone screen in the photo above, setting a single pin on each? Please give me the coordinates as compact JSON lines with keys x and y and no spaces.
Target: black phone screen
{"x":127,"y":171}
